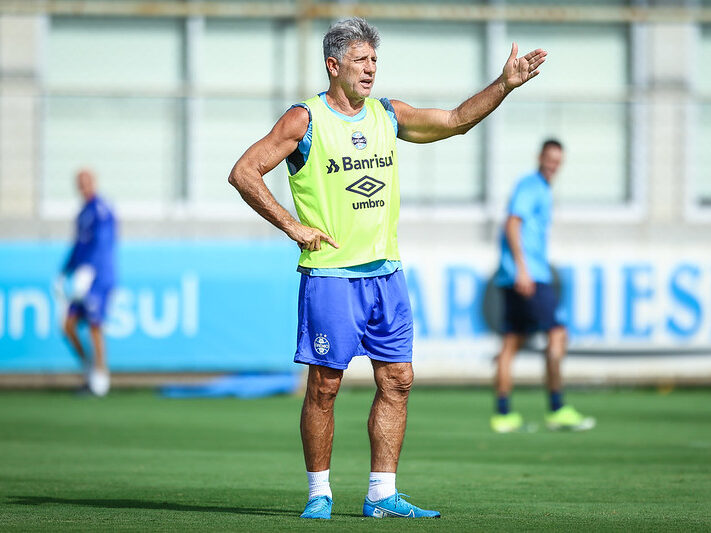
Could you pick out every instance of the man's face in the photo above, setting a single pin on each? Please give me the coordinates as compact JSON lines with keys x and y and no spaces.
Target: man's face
{"x":550,"y":161}
{"x":356,"y":71}
{"x":86,"y":185}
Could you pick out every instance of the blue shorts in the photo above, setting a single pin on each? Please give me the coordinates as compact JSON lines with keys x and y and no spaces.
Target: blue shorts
{"x":93,"y":307}
{"x":529,"y":315}
{"x":340,"y":318}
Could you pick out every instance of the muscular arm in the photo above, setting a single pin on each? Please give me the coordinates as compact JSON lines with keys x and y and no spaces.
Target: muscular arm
{"x":523,"y":284}
{"x":247,"y":177}
{"x":429,"y":125}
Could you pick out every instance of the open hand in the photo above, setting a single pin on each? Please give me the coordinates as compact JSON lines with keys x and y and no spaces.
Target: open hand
{"x":518,"y":71}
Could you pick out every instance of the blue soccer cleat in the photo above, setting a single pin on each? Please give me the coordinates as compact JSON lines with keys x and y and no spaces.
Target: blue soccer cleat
{"x":318,"y":507}
{"x":395,"y":506}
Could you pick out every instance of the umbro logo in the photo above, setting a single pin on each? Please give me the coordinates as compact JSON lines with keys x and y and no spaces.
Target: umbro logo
{"x":366,"y":186}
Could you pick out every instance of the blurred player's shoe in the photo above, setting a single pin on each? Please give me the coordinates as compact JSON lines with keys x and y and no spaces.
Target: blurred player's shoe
{"x":318,"y":507}
{"x":567,"y":417}
{"x":395,"y":506}
{"x":99,"y":382}
{"x":507,"y":423}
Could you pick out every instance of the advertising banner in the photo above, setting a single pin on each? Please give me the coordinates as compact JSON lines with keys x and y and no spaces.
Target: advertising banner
{"x":231,"y":306}
{"x":177,"y":307}
{"x":633,"y":314}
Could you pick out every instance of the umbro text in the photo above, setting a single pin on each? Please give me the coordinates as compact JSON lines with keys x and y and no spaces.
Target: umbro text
{"x":369,"y":204}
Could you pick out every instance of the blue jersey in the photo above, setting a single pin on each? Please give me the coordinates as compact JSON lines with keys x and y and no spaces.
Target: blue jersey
{"x":95,"y":242}
{"x":532,"y":202}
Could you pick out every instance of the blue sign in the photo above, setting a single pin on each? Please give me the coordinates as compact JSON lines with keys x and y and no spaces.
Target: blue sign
{"x":178,"y":306}
{"x":232,"y":306}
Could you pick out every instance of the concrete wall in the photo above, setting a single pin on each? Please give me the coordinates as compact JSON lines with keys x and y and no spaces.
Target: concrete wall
{"x":19,"y":116}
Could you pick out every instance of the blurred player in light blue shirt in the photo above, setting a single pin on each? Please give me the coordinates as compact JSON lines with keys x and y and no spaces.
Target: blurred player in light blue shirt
{"x":91,"y":268}
{"x":532,"y":203}
{"x":530,"y":301}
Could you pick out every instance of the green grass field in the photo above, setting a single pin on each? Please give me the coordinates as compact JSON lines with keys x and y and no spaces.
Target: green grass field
{"x":135,"y":461}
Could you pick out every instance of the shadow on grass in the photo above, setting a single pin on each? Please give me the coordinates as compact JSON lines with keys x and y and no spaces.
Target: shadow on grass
{"x":143,"y":504}
{"x":159,"y":506}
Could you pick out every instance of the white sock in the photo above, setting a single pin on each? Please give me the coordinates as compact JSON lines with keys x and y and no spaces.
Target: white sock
{"x":319,"y":484}
{"x":381,"y":485}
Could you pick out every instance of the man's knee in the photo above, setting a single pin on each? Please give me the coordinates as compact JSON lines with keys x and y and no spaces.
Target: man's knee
{"x":70,"y":326}
{"x":326,"y":390}
{"x":557,"y":343}
{"x":505,"y":357}
{"x":323,"y":385}
{"x":509,"y":347}
{"x":396,"y":379}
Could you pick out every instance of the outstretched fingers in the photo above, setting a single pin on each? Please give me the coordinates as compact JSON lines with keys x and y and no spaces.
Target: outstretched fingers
{"x":534,"y":65}
{"x":535,"y":58}
{"x":533,"y":54}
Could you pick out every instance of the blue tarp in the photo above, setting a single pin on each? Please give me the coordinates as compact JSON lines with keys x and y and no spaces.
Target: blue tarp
{"x":239,"y":386}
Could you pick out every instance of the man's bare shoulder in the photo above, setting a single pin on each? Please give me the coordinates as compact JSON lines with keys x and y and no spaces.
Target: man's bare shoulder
{"x":398,"y":105}
{"x":403,"y":111}
{"x":298,"y":112}
{"x":293,"y":123}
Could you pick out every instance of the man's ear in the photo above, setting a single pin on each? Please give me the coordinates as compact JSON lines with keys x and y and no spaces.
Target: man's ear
{"x":332,"y":66}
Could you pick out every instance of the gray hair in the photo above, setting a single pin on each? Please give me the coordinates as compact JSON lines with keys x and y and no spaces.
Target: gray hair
{"x":343,"y":33}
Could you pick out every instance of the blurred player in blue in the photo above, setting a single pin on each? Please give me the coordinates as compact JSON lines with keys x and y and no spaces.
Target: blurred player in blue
{"x":90,"y":267}
{"x":530,"y":301}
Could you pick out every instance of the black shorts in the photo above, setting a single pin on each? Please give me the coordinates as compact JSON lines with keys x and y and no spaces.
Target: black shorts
{"x":530,"y":315}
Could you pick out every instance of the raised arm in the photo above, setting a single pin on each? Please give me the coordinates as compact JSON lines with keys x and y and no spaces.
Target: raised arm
{"x":247,"y":177}
{"x":429,"y":125}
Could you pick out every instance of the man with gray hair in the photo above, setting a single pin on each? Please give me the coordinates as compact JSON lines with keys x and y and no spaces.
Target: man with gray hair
{"x":341,"y":153}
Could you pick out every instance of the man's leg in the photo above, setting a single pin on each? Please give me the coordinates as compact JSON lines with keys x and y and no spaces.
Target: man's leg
{"x":503,"y":382}
{"x":97,"y":341}
{"x":386,"y":428}
{"x":99,"y":380}
{"x":317,"y":423}
{"x":388,"y":415}
{"x":555,"y":352}
{"x":503,"y":420}
{"x":317,"y":420}
{"x":70,"y":330}
{"x":561,"y":416}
